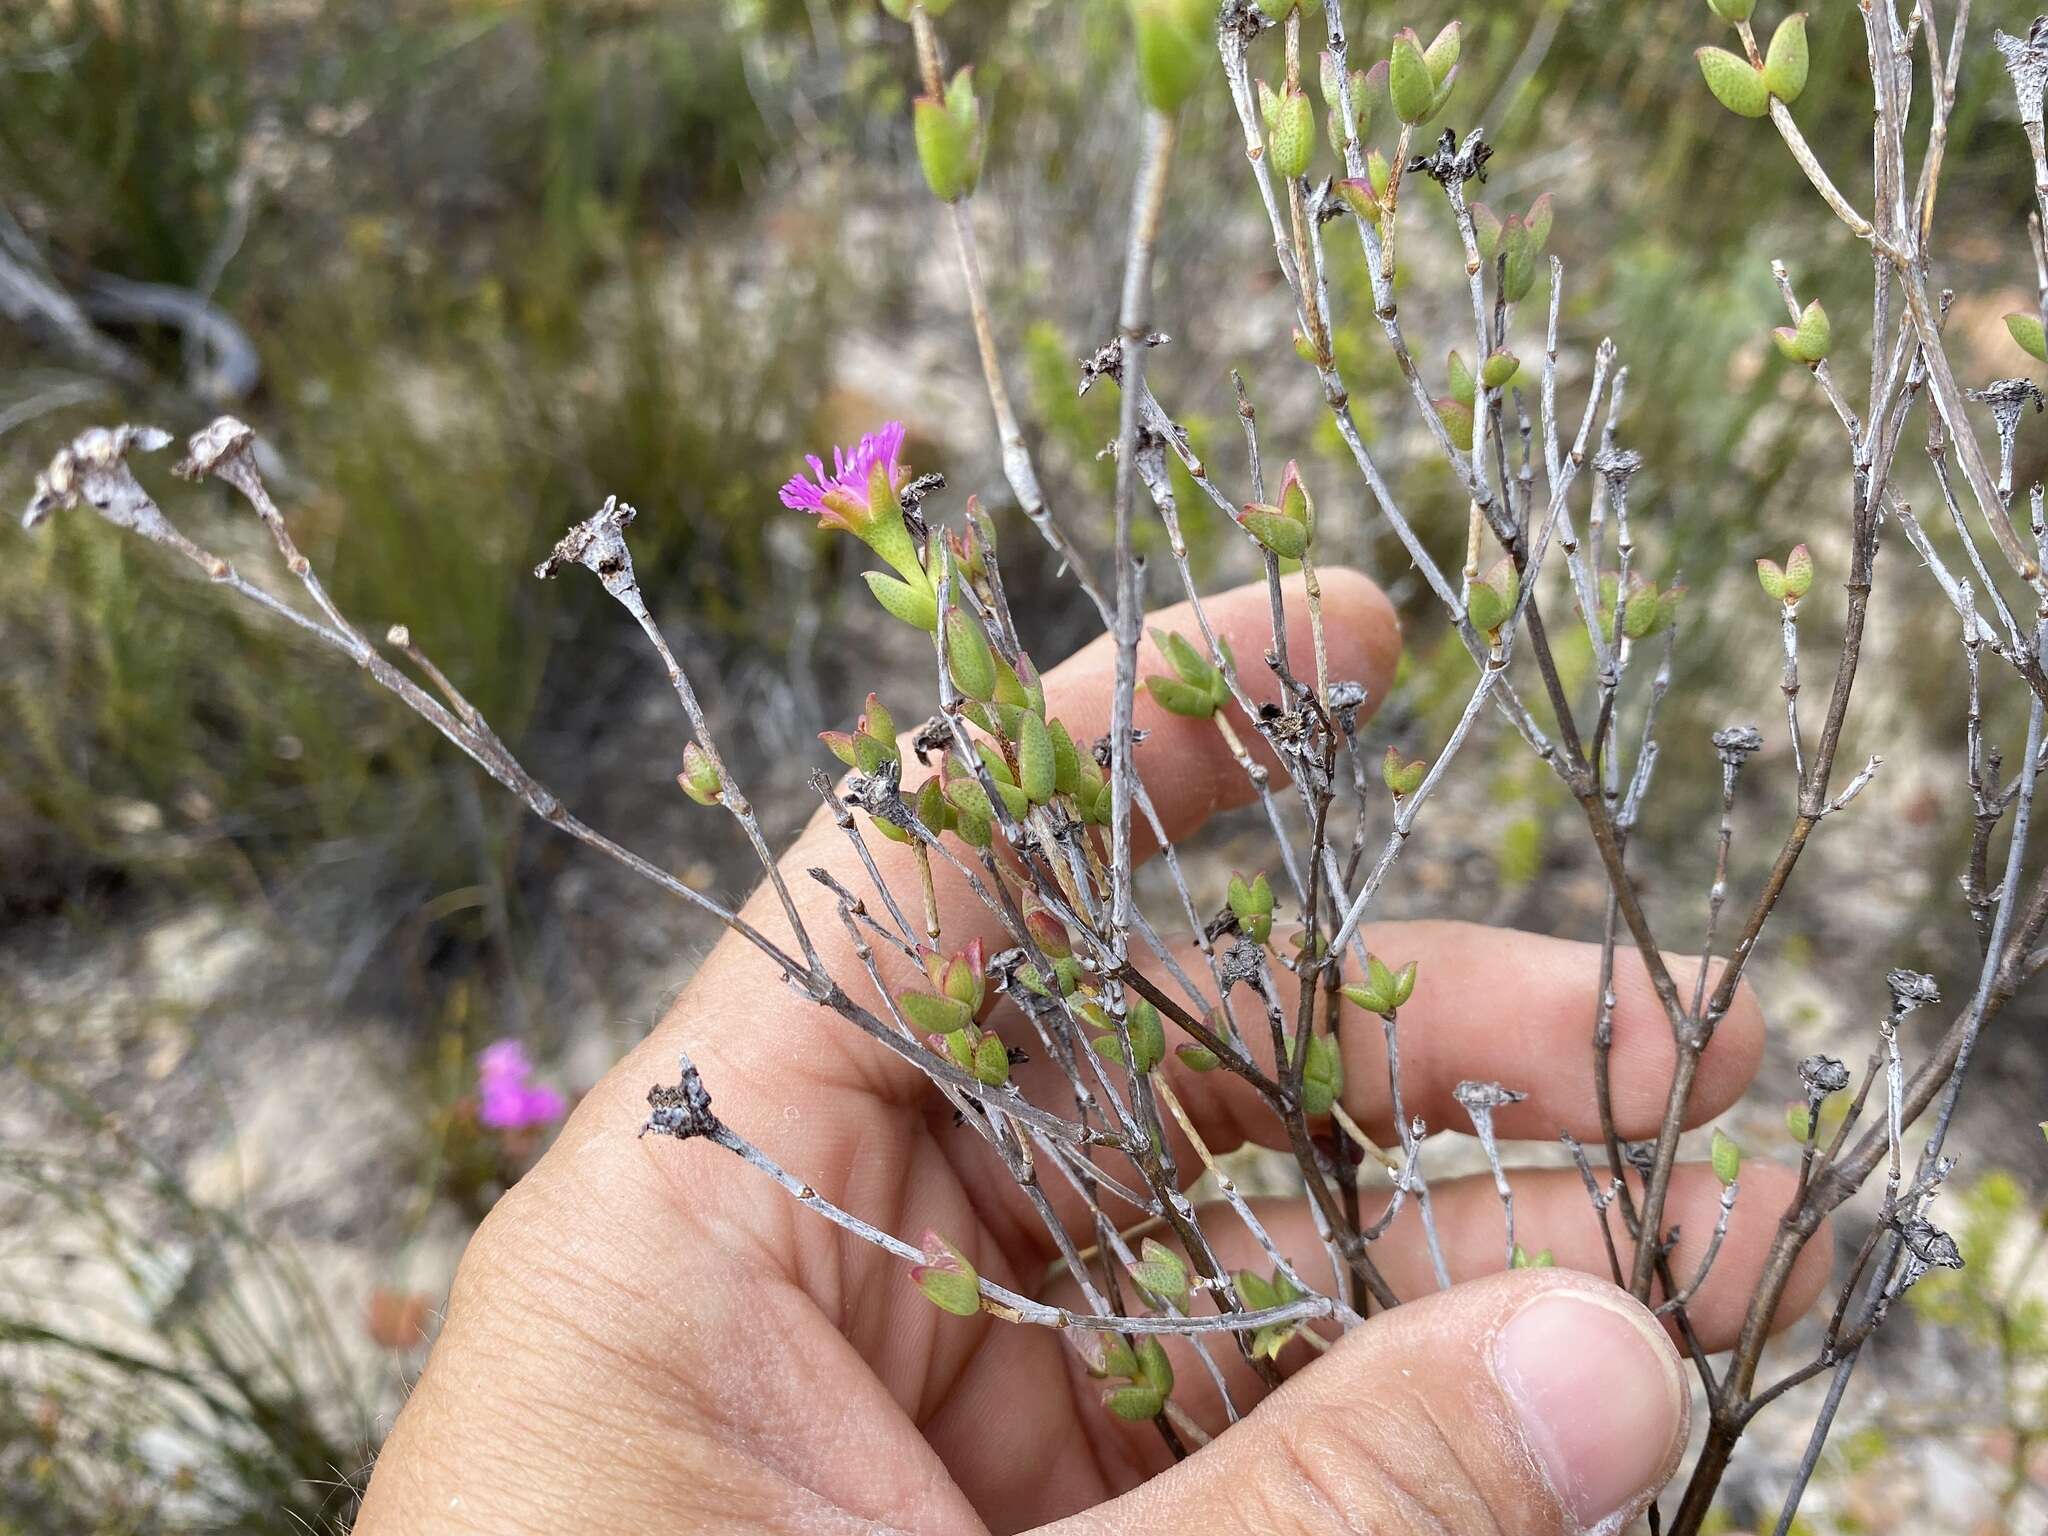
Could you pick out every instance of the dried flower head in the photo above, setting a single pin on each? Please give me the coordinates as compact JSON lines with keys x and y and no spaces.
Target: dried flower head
{"x":93,"y":468}
{"x":1736,"y":742}
{"x":2026,"y":61}
{"x":1483,"y":1098}
{"x":1823,"y":1074}
{"x":682,"y":1111}
{"x":598,"y":544}
{"x":213,"y":447}
{"x":1911,"y":989}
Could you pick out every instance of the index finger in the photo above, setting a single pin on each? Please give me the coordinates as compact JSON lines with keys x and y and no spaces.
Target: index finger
{"x":1185,"y":765}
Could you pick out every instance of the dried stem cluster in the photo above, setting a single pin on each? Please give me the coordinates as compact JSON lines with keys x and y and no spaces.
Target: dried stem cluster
{"x":1047,"y":843}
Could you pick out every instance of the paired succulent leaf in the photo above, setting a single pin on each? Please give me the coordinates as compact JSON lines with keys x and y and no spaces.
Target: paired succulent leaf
{"x":991,"y":1061}
{"x":1523,"y":1259}
{"x":935,"y":1015}
{"x":1367,"y":198}
{"x":970,"y":550}
{"x":1361,"y":92}
{"x":1734,"y":12}
{"x":1384,"y":989}
{"x":1251,"y":903}
{"x":1160,"y":1271}
{"x":1726,"y":1157}
{"x":1402,"y":778}
{"x":980,"y":1053}
{"x":1459,"y":421}
{"x":1809,"y":340}
{"x":1150,"y":1376}
{"x":1522,"y":237}
{"x":948,"y":1281}
{"x":1260,"y":1294}
{"x":1647,"y":611}
{"x":959,"y":985}
{"x":1419,"y":79}
{"x":1736,"y":83}
{"x":1322,"y":1074}
{"x":974,"y":816}
{"x":1197,"y":1058}
{"x":1491,"y":599}
{"x":1287,"y":527}
{"x":1093,"y":799}
{"x":962,"y":976}
{"x":1148,"y":1034}
{"x":1791,"y":581}
{"x":1197,"y":689}
{"x":1290,"y":128}
{"x":699,"y":777}
{"x":949,"y":139}
{"x":871,"y":742}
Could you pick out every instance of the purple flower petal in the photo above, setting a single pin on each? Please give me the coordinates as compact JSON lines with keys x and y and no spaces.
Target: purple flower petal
{"x":851,"y":471}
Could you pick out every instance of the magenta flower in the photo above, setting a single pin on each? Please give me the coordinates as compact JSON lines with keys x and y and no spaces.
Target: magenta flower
{"x":508,"y":1099}
{"x":843,"y":499}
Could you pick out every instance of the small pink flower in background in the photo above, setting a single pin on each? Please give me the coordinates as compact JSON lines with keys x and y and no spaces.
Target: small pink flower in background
{"x":397,"y":1320}
{"x":842,"y":499}
{"x":507,"y":1097}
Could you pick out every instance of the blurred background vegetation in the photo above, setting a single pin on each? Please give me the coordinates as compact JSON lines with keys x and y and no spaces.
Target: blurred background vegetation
{"x":469,"y":266}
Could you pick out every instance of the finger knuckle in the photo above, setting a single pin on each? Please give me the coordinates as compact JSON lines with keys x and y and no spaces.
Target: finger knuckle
{"x":1369,"y":1472}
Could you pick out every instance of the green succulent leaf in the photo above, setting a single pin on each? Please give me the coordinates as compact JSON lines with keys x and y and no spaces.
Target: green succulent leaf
{"x":945,"y":1277}
{"x":2026,"y":330}
{"x":948,"y":135}
{"x":1175,"y":45}
{"x":1160,"y":1271}
{"x":1276,"y":531}
{"x":1726,"y":1157}
{"x":1290,"y":129}
{"x":1736,"y":83}
{"x":1411,"y":87}
{"x":935,"y":1015}
{"x":915,"y":606}
{"x":1809,"y":340}
{"x":1037,"y":769}
{"x":1134,"y":1403}
{"x":1785,"y":60}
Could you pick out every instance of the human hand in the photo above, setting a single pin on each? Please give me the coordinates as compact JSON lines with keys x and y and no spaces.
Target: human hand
{"x":646,"y":1335}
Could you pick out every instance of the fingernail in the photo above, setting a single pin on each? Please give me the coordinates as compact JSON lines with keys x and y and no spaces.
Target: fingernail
{"x":1601,"y":1399}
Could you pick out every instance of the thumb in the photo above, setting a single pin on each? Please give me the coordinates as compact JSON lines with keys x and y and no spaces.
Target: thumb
{"x":1531,"y":1403}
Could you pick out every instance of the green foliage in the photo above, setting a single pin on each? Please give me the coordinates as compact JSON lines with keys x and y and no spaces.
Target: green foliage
{"x":2000,"y":1235}
{"x":235,"y":1367}
{"x":949,"y":139}
{"x":445,"y":419}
